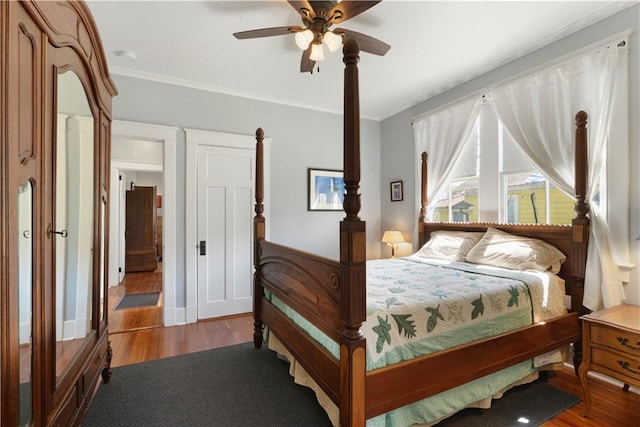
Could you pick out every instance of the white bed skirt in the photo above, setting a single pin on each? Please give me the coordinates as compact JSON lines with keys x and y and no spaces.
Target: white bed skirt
{"x":303,"y":378}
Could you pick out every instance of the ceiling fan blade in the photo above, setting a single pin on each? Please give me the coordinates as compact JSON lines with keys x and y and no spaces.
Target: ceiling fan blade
{"x":306,"y":64}
{"x":267,"y":32}
{"x":303,"y":7}
{"x":367,"y":43}
{"x":347,"y":9}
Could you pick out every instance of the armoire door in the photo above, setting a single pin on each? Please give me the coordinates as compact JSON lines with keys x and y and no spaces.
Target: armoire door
{"x":54,"y":152}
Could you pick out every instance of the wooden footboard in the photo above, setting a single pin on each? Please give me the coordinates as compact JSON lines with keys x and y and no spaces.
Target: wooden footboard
{"x":394,"y":386}
{"x":317,"y":361}
{"x":311,"y":286}
{"x":308,"y":283}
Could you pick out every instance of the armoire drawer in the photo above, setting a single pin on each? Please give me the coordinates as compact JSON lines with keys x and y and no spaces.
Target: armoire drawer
{"x":67,"y":411}
{"x":97,"y":362}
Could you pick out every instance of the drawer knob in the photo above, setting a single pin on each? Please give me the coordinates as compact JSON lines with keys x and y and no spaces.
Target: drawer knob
{"x":625,"y":343}
{"x":625,"y":365}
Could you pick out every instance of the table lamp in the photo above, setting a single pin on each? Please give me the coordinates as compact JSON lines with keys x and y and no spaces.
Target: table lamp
{"x":392,"y":239}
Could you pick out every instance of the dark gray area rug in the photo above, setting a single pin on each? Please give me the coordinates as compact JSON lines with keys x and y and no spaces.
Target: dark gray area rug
{"x":138,"y":300}
{"x":240,"y":386}
{"x":231,"y":386}
{"x":26,"y":408}
{"x":525,"y":405}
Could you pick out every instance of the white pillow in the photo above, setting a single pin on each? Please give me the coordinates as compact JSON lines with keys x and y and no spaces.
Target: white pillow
{"x":506,"y":250}
{"x":555,"y":267}
{"x":449,"y":245}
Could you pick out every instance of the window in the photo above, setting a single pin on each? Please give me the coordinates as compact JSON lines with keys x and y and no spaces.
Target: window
{"x":494,"y":182}
{"x":509,"y":189}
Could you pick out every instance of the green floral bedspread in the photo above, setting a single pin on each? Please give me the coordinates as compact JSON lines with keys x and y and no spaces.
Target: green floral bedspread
{"x":417,"y":306}
{"x":412,"y":298}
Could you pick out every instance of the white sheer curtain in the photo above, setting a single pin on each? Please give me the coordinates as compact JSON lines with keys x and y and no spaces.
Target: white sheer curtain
{"x":539,"y":113}
{"x":443,"y":135}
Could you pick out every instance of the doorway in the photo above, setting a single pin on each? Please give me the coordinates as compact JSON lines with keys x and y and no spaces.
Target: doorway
{"x":220,"y":177}
{"x":136,"y":302}
{"x":147,"y":157}
{"x":225,"y":223}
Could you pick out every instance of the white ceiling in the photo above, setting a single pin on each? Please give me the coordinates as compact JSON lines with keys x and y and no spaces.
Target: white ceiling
{"x":435,"y":45}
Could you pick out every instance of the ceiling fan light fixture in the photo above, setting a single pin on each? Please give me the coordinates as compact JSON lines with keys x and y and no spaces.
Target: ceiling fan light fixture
{"x":303,"y":38}
{"x":317,"y":53}
{"x":332,"y":40}
{"x":317,"y":18}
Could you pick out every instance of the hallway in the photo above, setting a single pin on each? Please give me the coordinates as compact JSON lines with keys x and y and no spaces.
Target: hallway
{"x":133,"y":319}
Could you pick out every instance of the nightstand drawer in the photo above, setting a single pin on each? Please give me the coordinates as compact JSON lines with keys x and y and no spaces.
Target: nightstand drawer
{"x":611,"y":346}
{"x":628,"y":366}
{"x":620,"y":340}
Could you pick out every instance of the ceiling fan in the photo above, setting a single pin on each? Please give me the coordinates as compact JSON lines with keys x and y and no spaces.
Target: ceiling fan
{"x":317,"y":18}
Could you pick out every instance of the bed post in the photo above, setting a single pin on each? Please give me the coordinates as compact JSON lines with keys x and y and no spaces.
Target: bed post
{"x":580,"y":226}
{"x":423,"y":201}
{"x":352,"y":255}
{"x":258,"y":236}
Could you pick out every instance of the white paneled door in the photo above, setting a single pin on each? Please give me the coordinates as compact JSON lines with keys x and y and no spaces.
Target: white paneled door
{"x":225,"y":183}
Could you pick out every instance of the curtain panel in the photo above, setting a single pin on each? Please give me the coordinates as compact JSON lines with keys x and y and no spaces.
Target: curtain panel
{"x":539,"y":112}
{"x":443,"y":135}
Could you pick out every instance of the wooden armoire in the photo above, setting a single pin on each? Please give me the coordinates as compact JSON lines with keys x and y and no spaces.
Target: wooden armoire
{"x":56,"y":98}
{"x":140,"y":235}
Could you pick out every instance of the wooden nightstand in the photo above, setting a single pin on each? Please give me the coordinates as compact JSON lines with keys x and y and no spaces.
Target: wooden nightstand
{"x":611,"y":346}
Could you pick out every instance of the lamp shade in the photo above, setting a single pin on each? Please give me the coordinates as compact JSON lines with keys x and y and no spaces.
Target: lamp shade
{"x":303,"y":38}
{"x":392,"y":237}
{"x":317,"y":53}
{"x":332,"y":40}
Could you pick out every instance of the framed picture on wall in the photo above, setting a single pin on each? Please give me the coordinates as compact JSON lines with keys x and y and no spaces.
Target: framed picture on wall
{"x":325,"y":189}
{"x":396,"y":191}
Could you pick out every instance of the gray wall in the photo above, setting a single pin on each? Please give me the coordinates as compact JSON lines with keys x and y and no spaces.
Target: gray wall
{"x":304,"y":138}
{"x":397,"y":143}
{"x":300,"y":138}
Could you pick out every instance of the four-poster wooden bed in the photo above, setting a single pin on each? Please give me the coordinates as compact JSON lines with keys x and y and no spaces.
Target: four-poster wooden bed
{"x":331,"y":295}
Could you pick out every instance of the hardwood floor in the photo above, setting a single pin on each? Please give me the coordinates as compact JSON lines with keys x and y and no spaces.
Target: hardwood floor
{"x":611,"y":405}
{"x":155,"y":343}
{"x":136,"y":318}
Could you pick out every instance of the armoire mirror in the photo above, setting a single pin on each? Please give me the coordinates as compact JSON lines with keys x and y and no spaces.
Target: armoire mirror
{"x":74,"y":219}
{"x":25,"y":307}
{"x":103,"y":251}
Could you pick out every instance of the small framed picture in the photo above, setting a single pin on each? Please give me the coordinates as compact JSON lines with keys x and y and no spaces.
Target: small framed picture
{"x":396,"y":191}
{"x":325,"y":189}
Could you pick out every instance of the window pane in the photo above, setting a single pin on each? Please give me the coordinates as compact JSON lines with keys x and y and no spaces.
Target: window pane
{"x":513,"y":159}
{"x":467,"y":164}
{"x":561,"y":207}
{"x":441,"y":210}
{"x":459,"y":202}
{"x":526,"y":200}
